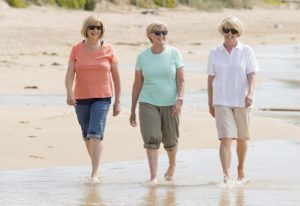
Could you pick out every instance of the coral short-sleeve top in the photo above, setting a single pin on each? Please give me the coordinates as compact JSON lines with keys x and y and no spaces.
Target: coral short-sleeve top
{"x":93,"y":71}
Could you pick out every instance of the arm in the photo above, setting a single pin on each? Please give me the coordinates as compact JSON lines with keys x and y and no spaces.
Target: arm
{"x":136,"y":89}
{"x":69,"y":79}
{"x":180,"y":90}
{"x":210,"y":95}
{"x":117,"y":87}
{"x":251,"y":83}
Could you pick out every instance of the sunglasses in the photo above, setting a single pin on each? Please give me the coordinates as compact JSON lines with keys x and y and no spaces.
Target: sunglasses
{"x":158,"y":33}
{"x":92,"y":27}
{"x":233,"y":31}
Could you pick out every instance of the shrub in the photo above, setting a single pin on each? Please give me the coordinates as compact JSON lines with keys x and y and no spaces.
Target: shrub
{"x":74,"y":4}
{"x":90,"y":5}
{"x":42,"y":2}
{"x":165,"y":3}
{"x":204,"y":4}
{"x":142,"y":3}
{"x":81,"y":3}
{"x":247,"y":4}
{"x":17,"y":3}
{"x":273,"y":2}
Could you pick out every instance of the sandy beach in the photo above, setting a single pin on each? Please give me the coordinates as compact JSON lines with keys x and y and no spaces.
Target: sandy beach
{"x":35,"y":45}
{"x":43,"y":160}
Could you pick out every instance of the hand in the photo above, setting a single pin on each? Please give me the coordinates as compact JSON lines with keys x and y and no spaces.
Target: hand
{"x":70,"y":100}
{"x":248,"y":100}
{"x":116,"y":109}
{"x":212,"y":110}
{"x":177,"y":107}
{"x":132,"y":120}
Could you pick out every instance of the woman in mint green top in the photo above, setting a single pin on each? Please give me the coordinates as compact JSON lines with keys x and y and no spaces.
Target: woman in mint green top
{"x":159,"y":88}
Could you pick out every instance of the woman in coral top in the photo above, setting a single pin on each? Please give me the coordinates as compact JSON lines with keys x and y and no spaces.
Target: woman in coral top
{"x":93,"y":65}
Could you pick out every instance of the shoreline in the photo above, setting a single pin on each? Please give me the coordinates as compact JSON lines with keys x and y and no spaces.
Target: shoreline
{"x":51,"y":137}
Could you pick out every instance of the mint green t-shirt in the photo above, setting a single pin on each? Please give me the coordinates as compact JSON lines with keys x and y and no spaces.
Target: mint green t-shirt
{"x":159,"y":72}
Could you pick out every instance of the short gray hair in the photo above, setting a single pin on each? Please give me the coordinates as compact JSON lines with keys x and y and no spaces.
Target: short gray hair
{"x":232,"y":23}
{"x":155,"y":25}
{"x":88,"y":21}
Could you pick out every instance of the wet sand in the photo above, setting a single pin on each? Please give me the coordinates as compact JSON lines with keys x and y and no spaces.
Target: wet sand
{"x":197,"y":181}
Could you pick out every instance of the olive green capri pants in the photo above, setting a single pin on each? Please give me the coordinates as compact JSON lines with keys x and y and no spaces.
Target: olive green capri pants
{"x":158,"y":125}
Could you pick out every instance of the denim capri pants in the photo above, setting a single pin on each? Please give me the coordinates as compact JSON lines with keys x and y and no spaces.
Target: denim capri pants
{"x":91,"y":115}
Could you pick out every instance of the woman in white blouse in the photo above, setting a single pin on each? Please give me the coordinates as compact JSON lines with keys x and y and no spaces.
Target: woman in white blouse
{"x":231,"y":74}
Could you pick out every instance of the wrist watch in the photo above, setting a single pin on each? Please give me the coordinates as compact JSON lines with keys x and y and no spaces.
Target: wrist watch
{"x":179,"y":99}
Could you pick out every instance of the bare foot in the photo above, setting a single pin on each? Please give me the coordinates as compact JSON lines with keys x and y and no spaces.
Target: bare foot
{"x":169,"y":174}
{"x":241,"y":174}
{"x":225,"y":178}
{"x":94,"y":180}
{"x":153,"y":181}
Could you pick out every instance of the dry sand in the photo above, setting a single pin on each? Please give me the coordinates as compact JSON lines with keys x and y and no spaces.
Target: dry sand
{"x":35,"y":44}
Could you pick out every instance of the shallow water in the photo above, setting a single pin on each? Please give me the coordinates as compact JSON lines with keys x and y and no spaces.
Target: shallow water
{"x":272,"y":167}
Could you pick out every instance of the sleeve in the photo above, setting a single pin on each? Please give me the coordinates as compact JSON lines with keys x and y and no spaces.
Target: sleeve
{"x":178,"y":59}
{"x":138,"y":65}
{"x":113,"y":57}
{"x":72,"y":57}
{"x":252,"y":65}
{"x":210,"y":65}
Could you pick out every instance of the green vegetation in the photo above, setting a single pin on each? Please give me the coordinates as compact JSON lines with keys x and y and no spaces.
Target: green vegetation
{"x":71,"y":4}
{"x":142,"y":3}
{"x":17,"y":3}
{"x":165,"y":3}
{"x":90,"y":5}
{"x":200,"y":4}
{"x":273,"y":2}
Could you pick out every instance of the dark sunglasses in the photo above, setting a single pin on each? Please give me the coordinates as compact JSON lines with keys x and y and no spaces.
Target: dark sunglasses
{"x":92,"y":27}
{"x":158,"y":33}
{"x":233,"y":31}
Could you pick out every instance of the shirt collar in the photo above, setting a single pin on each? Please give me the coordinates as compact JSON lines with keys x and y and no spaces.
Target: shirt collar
{"x":239,"y":45}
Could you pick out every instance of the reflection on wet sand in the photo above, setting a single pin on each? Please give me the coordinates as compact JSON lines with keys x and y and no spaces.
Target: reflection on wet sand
{"x":166,"y":196}
{"x":239,"y":200}
{"x":229,"y":197}
{"x":170,"y":197}
{"x":151,"y":198}
{"x":92,"y":197}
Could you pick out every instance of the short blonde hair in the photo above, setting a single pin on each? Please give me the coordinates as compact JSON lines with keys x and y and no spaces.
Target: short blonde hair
{"x":231,"y":23}
{"x":155,"y":25}
{"x":89,"y":21}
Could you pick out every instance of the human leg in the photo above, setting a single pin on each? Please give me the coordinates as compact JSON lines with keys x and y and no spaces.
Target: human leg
{"x":241,"y":150}
{"x":152,"y":155}
{"x":172,"y":164}
{"x":170,"y":135}
{"x":226,"y":131}
{"x":242,"y":119}
{"x":150,"y":125}
{"x":94,"y":147}
{"x":97,"y":122}
{"x":225,"y":155}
